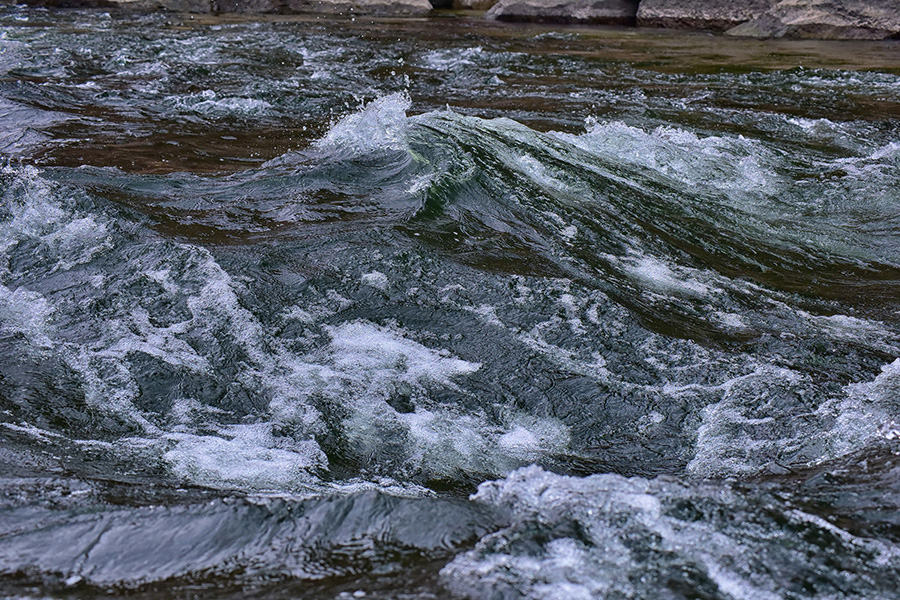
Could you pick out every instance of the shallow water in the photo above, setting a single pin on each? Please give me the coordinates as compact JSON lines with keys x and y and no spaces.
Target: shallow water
{"x":307,"y":307}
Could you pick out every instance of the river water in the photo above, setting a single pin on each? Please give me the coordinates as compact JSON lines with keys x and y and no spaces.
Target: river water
{"x":335,"y":308}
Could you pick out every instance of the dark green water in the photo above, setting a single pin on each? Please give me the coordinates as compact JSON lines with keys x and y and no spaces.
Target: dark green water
{"x":310,"y":308}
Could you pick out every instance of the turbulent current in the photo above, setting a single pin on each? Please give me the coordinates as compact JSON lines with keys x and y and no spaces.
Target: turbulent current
{"x":311,"y":308}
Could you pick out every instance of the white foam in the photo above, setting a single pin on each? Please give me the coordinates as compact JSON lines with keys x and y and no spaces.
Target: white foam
{"x":537,"y":171}
{"x":746,"y":431}
{"x":28,"y":313}
{"x":208,"y":103}
{"x":845,"y":327}
{"x":610,"y":536}
{"x":732,"y":320}
{"x":867,"y":412}
{"x":360,"y":370}
{"x":372,"y":351}
{"x":245,"y":455}
{"x":665,"y":278}
{"x":35,"y":212}
{"x":231,"y":106}
{"x":745,"y":415}
{"x":185,"y":275}
{"x":730,"y":164}
{"x":593,"y":365}
{"x":437,"y":440}
{"x":375,"y":279}
{"x":135,"y":333}
{"x":382,"y":124}
{"x":452,"y":59}
{"x":31,"y":430}
{"x":487,"y":313}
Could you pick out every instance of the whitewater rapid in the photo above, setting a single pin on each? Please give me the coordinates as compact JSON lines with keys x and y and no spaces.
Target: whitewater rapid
{"x":607,"y":341}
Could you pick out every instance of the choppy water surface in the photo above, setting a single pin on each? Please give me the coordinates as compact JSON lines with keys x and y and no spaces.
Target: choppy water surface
{"x":431,"y":309}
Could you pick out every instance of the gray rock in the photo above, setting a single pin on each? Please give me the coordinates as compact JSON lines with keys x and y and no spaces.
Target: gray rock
{"x":361,"y":7}
{"x":713,"y":15}
{"x":826,"y":19}
{"x":611,"y":12}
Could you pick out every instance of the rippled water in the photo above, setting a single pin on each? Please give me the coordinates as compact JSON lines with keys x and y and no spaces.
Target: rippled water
{"x":427,"y":309}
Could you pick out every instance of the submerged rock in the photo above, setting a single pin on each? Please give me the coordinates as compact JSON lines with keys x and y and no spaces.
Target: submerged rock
{"x":826,"y":19}
{"x":605,"y":12}
{"x":716,"y":15}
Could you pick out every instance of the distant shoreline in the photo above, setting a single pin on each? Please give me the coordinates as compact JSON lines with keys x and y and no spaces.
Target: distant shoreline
{"x":761,"y":19}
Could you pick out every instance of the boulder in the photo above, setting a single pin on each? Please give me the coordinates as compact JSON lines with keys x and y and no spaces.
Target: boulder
{"x":361,"y":7}
{"x":713,"y":15}
{"x":605,"y":12}
{"x":826,"y":19}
